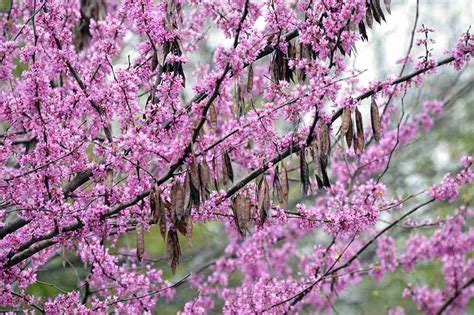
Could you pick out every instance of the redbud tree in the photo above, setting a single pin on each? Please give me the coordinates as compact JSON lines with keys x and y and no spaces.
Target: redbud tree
{"x":99,"y":142}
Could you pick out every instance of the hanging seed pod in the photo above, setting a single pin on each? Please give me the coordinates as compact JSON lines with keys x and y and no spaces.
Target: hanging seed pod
{"x":158,"y":210}
{"x":280,"y":186}
{"x":263,"y":199}
{"x":369,"y":17}
{"x":325,"y":178}
{"x":324,"y":142}
{"x":187,"y":195}
{"x":387,"y":6}
{"x":284,"y":184}
{"x":360,"y":131}
{"x":375,"y":120}
{"x":173,"y":250}
{"x":205,"y":180}
{"x":228,"y":166}
{"x":140,"y":241}
{"x":227,"y":171}
{"x":241,"y":207}
{"x":304,"y":173}
{"x":185,"y":227}
{"x":363,"y":31}
{"x":350,"y":133}
{"x":250,"y":79}
{"x":277,"y":190}
{"x":377,"y":11}
{"x":215,"y":172}
{"x":213,"y":116}
{"x":346,"y":120}
{"x":194,"y":172}
{"x":177,"y":202}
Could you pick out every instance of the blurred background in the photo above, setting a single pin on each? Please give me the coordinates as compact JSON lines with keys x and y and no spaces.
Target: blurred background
{"x":413,"y":167}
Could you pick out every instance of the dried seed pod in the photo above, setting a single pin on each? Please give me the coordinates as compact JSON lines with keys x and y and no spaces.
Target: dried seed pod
{"x":187,"y":195}
{"x":213,"y":116}
{"x":140,"y":241}
{"x":227,"y":171}
{"x":241,"y":207}
{"x":346,"y":120}
{"x":325,"y":178}
{"x":214,"y":172}
{"x":363,"y":31}
{"x":369,"y":17}
{"x":205,"y":179}
{"x":360,"y":131}
{"x":350,"y":133}
{"x":173,"y":250}
{"x":158,"y":209}
{"x":177,"y":202}
{"x":194,"y":172}
{"x":263,"y":199}
{"x":280,"y":186}
{"x":277,"y":190}
{"x":324,"y":142}
{"x":304,"y":173}
{"x":387,"y":6}
{"x":250,"y":79}
{"x":185,"y":227}
{"x":377,"y":11}
{"x":375,"y":120}
{"x":284,"y":184}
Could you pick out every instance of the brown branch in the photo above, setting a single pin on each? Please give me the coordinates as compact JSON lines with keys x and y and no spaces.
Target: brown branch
{"x":454,"y":297}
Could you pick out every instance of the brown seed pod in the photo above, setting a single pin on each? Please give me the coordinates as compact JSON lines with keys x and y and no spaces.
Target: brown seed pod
{"x":250,"y":79}
{"x":263,"y":199}
{"x":375,"y":119}
{"x":304,"y":173}
{"x":360,"y":131}
{"x":346,"y":120}
{"x":241,"y":207}
{"x":140,"y":241}
{"x":173,"y":250}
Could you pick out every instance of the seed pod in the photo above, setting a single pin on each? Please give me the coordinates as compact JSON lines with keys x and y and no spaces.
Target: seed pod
{"x":346,"y":120}
{"x":350,"y":133}
{"x":377,"y":11}
{"x":375,"y":119}
{"x":324,"y":142}
{"x":304,"y":173}
{"x":387,"y":6}
{"x":158,"y":209}
{"x":325,"y":178}
{"x":228,"y":166}
{"x":263,"y":199}
{"x":194,"y":172}
{"x":284,"y":184}
{"x":277,"y":190}
{"x":213,"y":116}
{"x":177,"y":202}
{"x":360,"y":131}
{"x":363,"y":31}
{"x":205,"y":179}
{"x":241,"y":208}
{"x":369,"y":17}
{"x":185,"y":227}
{"x":187,"y":195}
{"x":250,"y":79}
{"x":173,"y":250}
{"x":140,"y":241}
